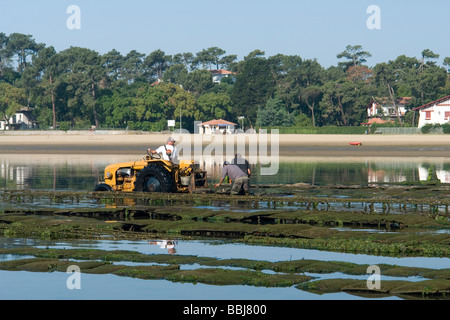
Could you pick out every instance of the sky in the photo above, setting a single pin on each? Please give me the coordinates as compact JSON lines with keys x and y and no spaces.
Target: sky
{"x":317,"y":29}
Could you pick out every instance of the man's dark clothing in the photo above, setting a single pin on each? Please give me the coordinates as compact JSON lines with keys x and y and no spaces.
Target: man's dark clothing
{"x":239,"y":178}
{"x":233,"y":172}
{"x":242,"y":164}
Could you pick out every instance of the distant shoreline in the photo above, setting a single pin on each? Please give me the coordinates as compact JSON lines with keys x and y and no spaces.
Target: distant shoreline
{"x":290,"y":145}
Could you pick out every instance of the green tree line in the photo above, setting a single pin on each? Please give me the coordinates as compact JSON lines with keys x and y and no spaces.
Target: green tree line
{"x":80,"y":88}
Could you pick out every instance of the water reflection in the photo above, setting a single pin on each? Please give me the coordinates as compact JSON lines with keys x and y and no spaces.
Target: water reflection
{"x":53,"y":172}
{"x":223,"y":249}
{"x":52,"y":286}
{"x":442,"y":172}
{"x":46,"y":285}
{"x":165,"y":244}
{"x":81,"y":172}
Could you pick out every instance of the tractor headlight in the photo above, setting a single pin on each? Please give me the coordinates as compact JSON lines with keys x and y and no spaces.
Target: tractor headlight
{"x":108,"y":175}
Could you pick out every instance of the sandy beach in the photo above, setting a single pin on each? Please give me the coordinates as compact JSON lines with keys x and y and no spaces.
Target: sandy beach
{"x":289,"y":145}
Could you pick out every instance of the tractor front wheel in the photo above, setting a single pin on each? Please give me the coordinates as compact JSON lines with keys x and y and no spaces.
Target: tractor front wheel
{"x":154,"y":178}
{"x":102,"y":187}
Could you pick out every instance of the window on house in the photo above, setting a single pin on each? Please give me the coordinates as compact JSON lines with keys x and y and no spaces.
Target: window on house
{"x":427,"y":115}
{"x":447,"y":115}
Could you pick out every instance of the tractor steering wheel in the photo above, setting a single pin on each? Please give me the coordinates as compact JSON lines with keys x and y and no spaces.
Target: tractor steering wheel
{"x":153,"y":155}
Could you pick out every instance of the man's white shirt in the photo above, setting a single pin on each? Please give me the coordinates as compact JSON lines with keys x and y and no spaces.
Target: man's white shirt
{"x":162,"y":150}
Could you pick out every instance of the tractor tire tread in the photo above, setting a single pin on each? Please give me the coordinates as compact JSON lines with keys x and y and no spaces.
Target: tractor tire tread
{"x":164,"y":177}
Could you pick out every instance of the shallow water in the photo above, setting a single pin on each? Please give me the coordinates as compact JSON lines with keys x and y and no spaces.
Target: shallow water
{"x":82,"y":172}
{"x":24,"y":285}
{"x":222,"y":249}
{"x":52,"y":286}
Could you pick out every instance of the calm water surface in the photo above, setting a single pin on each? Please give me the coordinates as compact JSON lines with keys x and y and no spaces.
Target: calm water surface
{"x":78,"y":172}
{"x":24,"y":285}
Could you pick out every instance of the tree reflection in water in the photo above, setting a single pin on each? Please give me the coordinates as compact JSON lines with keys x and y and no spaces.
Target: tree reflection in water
{"x":82,"y":172}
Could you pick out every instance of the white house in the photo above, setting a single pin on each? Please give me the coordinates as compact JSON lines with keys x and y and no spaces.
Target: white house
{"x":217,"y":127}
{"x":21,"y":120}
{"x":218,"y":75}
{"x":383,"y":107}
{"x":436,"y":112}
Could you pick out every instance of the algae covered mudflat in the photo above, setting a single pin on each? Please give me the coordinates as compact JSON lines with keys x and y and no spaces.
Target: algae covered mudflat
{"x":233,"y":271}
{"x":393,"y":221}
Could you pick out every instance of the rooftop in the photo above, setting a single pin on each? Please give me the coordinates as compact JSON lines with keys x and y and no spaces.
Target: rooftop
{"x":217,"y":122}
{"x":432,"y":103}
{"x":220,"y":71}
{"x":375,"y":120}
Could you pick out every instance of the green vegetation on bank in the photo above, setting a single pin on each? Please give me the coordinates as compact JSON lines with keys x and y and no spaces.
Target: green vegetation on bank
{"x":431,"y":128}
{"x":78,"y":87}
{"x":321,"y":130}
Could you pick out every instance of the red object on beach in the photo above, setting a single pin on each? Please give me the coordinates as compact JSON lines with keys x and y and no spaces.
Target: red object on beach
{"x":355,"y":143}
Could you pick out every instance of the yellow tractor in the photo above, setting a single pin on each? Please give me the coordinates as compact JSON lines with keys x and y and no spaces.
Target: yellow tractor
{"x":153,"y":174}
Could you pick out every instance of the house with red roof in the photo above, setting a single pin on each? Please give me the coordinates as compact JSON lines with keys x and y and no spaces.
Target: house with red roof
{"x":217,"y":127}
{"x":436,"y":112}
{"x":219,"y":74}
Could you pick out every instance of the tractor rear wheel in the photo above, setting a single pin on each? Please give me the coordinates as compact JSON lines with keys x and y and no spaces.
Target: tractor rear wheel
{"x":154,"y":178}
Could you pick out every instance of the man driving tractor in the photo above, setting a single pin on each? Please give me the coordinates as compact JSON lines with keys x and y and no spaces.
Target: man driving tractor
{"x":169,"y":151}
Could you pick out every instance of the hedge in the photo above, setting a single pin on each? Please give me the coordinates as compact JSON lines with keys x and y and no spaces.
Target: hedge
{"x":320,"y":130}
